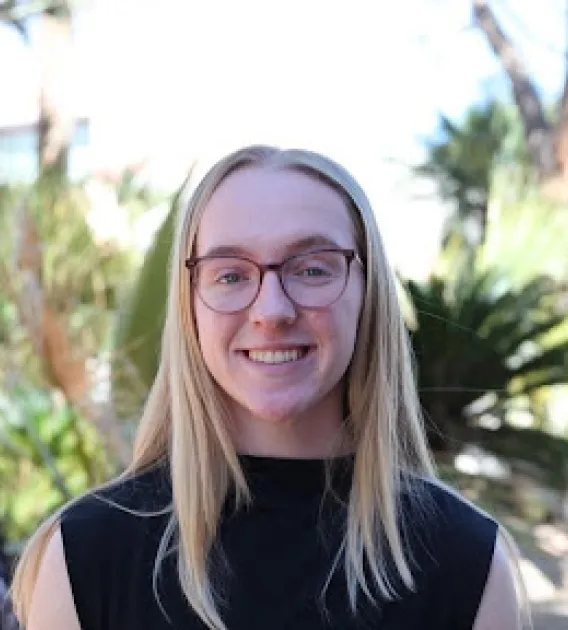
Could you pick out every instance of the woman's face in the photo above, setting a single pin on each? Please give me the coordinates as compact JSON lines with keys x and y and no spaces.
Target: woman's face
{"x":292,"y":407}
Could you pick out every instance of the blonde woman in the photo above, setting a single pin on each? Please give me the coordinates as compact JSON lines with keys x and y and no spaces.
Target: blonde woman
{"x":280,"y":477}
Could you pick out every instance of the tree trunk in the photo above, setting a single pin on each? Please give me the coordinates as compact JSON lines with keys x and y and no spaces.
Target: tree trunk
{"x":65,"y":367}
{"x":539,"y":133}
{"x":56,"y":117}
{"x":561,"y":132}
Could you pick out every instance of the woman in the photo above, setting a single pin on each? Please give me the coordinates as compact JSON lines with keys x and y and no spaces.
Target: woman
{"x":280,"y":477}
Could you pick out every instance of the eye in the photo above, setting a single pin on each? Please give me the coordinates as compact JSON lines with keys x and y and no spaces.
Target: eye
{"x":225,"y":272}
{"x":312,"y":271}
{"x":231,"y":277}
{"x":321,"y":265}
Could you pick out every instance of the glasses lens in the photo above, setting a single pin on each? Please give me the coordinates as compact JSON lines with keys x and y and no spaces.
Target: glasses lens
{"x":315,"y":279}
{"x":226,"y":284}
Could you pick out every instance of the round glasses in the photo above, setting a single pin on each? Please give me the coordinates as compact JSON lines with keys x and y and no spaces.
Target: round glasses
{"x":315,"y":279}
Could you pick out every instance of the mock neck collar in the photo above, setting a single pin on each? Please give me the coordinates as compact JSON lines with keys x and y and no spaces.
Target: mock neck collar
{"x":273,"y":479}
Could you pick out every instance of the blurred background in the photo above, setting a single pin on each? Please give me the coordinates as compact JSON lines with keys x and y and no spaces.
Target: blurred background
{"x":452,"y":114}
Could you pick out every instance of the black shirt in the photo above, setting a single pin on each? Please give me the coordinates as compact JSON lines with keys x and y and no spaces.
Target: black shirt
{"x":278,"y":552}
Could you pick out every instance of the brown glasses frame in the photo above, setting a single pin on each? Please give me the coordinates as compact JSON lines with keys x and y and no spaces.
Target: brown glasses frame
{"x":350,"y":255}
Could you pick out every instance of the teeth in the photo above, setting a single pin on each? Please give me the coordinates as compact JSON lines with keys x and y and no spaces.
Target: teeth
{"x":278,"y":356}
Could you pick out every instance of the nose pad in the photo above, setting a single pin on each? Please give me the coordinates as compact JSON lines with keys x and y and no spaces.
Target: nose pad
{"x":272,"y":304}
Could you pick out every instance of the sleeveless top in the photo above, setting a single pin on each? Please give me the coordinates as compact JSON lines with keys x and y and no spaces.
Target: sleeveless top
{"x":277,"y":554}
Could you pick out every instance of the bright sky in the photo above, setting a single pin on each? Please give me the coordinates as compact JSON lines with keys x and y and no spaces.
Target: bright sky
{"x":360,"y":80}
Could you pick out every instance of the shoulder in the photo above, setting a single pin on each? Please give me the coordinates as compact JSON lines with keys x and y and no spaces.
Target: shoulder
{"x":467,"y":533}
{"x":143,"y":492}
{"x":115,"y":515}
{"x":110,"y":538}
{"x":121,"y":501}
{"x":52,"y":604}
{"x":446,"y":530}
{"x":500,"y":606}
{"x":440,"y":510}
{"x":455,"y":540}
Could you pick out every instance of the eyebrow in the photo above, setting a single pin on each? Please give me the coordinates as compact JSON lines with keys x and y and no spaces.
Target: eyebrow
{"x":306,"y":243}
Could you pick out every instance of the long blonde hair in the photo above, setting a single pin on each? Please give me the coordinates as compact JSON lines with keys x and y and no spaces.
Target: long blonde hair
{"x":184,"y":421}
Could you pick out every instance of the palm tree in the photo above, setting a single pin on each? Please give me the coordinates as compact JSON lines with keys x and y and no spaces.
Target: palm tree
{"x":463,"y":161}
{"x":481,"y":342}
{"x":138,"y":332}
{"x":546,"y":136}
{"x":61,"y":289}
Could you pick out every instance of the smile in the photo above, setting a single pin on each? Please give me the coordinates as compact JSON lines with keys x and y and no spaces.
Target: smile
{"x":276,"y":356}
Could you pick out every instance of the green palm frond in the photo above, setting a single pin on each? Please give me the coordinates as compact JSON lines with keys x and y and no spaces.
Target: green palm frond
{"x":478,"y":332}
{"x":138,"y":335}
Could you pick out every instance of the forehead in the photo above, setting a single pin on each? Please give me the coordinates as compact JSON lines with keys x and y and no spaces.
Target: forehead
{"x":265,"y":211}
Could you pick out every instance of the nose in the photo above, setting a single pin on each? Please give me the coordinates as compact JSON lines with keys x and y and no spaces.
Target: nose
{"x":272,"y":307}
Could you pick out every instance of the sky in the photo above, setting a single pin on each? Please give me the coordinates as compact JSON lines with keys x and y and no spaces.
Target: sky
{"x":360,"y":80}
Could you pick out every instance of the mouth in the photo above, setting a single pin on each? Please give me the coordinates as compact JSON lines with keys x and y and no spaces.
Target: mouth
{"x":277,"y":357}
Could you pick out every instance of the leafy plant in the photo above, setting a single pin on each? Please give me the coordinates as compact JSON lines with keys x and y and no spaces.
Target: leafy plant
{"x":48,"y":453}
{"x":476,"y":335}
{"x":140,"y":321}
{"x":463,"y":160}
{"x":548,"y":454}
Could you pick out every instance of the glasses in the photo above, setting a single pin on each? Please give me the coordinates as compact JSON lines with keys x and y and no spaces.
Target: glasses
{"x":228,"y":284}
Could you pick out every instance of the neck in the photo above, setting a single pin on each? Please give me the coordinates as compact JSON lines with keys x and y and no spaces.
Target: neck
{"x":314,"y":434}
{"x":279,"y":442}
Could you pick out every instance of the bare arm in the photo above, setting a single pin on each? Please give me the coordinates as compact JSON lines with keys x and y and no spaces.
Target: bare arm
{"x":499,"y":607}
{"x":52,"y":601}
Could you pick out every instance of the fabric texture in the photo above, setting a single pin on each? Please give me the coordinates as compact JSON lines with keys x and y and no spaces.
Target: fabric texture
{"x":273,"y":558}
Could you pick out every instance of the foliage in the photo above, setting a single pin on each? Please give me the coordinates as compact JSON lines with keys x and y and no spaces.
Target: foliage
{"x":139,"y":331}
{"x":526,"y":233}
{"x":78,"y":278}
{"x":48,"y":453}
{"x":548,"y":454}
{"x":463,"y":160}
{"x":60,"y":286}
{"x":504,"y":499}
{"x":525,"y":246}
{"x":54,"y":443}
{"x":475,"y":334}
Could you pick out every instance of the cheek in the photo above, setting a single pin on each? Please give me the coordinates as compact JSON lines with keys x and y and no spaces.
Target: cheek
{"x":347,"y":322}
{"x":348,"y":310}
{"x":337,"y":329}
{"x":215,"y":333}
